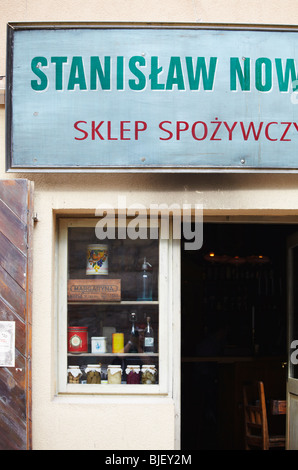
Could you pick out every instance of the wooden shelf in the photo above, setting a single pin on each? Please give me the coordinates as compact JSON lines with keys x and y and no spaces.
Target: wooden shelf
{"x":122,"y":302}
{"x":113,"y":354}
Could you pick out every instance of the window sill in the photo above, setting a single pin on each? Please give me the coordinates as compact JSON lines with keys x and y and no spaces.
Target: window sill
{"x":111,"y":389}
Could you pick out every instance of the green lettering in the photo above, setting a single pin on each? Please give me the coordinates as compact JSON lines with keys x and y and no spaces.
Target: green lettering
{"x":59,"y":61}
{"x":155,"y":71}
{"x":263,"y":64}
{"x":120,"y":73}
{"x":42,"y":83}
{"x":201,"y":70}
{"x":236,"y":71}
{"x":175,"y":74}
{"x":97,"y":71}
{"x":283,"y":79}
{"x":77,"y":74}
{"x":141,"y":83}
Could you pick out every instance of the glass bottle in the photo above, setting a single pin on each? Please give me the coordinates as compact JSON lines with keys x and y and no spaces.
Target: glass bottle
{"x":145,"y":282}
{"x":148,"y":337}
{"x":134,"y":335}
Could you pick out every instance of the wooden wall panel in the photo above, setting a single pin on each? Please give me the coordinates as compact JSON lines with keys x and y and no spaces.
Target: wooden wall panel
{"x":16,"y":225}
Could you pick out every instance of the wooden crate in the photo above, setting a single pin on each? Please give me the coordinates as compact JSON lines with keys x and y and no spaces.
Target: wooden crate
{"x":105,"y":290}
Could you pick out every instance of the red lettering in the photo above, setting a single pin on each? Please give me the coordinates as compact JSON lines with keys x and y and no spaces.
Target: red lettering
{"x":95,"y":130}
{"x":165,"y":130}
{"x":109,"y":126}
{"x":122,"y":130}
{"x":193,"y":130}
{"x":230,"y":129}
{"x":286,"y":131}
{"x":266,"y":131}
{"x":139,"y":129}
{"x":181,"y":126}
{"x":251,"y":127}
{"x":80,"y":130}
{"x":216,"y":129}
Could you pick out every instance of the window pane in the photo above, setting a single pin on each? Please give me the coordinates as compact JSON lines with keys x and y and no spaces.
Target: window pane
{"x":113,"y":310}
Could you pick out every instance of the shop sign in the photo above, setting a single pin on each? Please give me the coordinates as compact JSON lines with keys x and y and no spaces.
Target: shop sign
{"x":151,"y":98}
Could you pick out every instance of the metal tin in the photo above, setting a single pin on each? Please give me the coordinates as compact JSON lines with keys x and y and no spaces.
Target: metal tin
{"x":77,"y":339}
{"x":117,"y":342}
{"x":97,"y":260}
{"x":98,"y":344}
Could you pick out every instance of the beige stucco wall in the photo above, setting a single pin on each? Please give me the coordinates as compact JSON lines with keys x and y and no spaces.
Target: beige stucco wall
{"x":129,"y":423}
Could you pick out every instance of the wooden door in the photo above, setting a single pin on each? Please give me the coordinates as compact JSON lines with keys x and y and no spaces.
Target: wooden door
{"x":292,"y":383}
{"x":16,"y":199}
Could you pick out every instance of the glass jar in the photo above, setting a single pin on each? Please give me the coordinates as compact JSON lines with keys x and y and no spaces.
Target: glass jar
{"x":93,"y":372}
{"x":149,"y":374}
{"x":74,"y":374}
{"x":133,"y":374}
{"x":114,"y":374}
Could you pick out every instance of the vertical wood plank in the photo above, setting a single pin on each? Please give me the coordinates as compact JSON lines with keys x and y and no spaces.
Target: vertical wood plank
{"x":16,"y":225}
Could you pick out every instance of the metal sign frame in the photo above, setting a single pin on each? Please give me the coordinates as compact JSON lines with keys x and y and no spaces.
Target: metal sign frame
{"x":240,"y":167}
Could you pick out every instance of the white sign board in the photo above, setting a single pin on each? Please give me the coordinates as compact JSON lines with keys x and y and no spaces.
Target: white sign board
{"x":7,"y":344}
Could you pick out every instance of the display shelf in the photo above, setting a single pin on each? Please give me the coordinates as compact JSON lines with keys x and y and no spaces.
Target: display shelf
{"x":113,"y":354}
{"x":122,"y":302}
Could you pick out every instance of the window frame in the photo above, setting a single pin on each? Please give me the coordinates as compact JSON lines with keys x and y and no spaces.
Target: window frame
{"x":164,"y":387}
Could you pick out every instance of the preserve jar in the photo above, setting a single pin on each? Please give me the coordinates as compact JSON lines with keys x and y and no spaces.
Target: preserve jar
{"x":114,"y":374}
{"x":78,"y":339}
{"x":74,"y":374}
{"x":93,"y":372}
{"x":133,"y":374}
{"x":149,"y":374}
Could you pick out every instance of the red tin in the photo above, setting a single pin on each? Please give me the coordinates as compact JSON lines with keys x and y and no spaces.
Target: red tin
{"x":77,"y":339}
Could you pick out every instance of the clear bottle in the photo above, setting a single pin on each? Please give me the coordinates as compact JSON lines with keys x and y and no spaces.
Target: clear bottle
{"x":145,"y":282}
{"x":148,"y":337}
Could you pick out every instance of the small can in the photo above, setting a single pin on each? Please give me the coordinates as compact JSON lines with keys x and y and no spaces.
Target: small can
{"x":97,"y":260}
{"x":74,"y":374}
{"x":149,"y":374}
{"x":114,"y":374}
{"x":117,"y":342}
{"x":93,"y":372}
{"x":98,"y":344}
{"x":78,"y":339}
{"x":133,"y":374}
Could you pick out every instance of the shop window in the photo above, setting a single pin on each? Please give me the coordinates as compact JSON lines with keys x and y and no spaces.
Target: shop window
{"x":111,"y":334}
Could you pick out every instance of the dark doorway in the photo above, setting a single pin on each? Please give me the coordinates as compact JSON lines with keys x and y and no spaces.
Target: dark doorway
{"x":234,"y":329}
